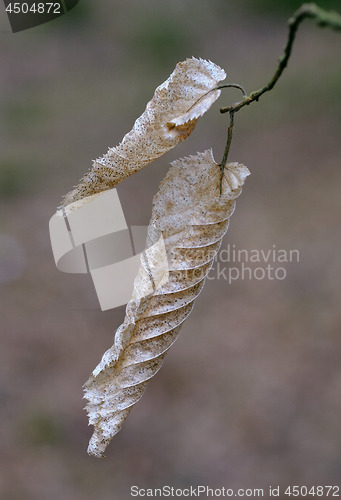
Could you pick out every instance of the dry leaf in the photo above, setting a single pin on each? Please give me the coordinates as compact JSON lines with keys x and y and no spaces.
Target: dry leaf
{"x":168,"y":119}
{"x":193,"y":218}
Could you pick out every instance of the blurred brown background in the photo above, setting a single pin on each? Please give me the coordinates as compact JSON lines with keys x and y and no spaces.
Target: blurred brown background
{"x":250,"y":394}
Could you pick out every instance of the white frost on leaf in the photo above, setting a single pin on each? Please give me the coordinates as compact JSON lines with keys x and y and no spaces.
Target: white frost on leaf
{"x":193,"y":218}
{"x":168,"y":119}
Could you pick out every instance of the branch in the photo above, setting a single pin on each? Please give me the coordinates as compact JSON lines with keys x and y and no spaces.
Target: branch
{"x":309,"y":10}
{"x":323,"y":18}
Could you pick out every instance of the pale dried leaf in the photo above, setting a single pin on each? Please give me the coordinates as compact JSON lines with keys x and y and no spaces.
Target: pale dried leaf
{"x":168,"y":119}
{"x":193,"y":218}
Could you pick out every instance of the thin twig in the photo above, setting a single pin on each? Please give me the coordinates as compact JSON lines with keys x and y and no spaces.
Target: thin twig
{"x":227,"y":149}
{"x":228,"y":85}
{"x":309,"y":10}
{"x":323,"y":18}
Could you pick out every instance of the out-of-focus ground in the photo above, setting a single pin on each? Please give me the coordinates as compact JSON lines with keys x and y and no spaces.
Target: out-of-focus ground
{"x":250,"y":394}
